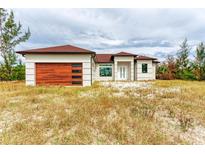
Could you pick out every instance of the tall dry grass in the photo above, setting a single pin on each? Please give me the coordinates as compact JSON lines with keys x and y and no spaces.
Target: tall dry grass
{"x":94,"y":115}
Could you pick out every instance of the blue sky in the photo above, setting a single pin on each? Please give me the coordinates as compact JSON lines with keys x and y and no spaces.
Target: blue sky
{"x":154,"y":32}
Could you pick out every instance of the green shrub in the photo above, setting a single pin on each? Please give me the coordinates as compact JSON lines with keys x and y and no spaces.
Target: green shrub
{"x":3,"y":75}
{"x":18,"y":73}
{"x":186,"y":75}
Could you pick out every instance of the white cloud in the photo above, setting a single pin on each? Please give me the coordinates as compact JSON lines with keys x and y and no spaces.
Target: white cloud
{"x":148,"y":31}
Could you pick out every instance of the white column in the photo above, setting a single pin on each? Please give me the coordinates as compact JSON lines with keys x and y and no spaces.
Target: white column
{"x":30,"y":74}
{"x":154,"y":70}
{"x":132,"y":70}
{"x":115,"y":69}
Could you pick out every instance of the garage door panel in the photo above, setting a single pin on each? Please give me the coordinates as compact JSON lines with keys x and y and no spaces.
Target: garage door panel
{"x":54,"y":80}
{"x":58,"y":74}
{"x":57,"y":82}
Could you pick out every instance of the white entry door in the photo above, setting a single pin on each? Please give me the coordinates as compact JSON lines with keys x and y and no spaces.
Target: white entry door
{"x":122,"y":73}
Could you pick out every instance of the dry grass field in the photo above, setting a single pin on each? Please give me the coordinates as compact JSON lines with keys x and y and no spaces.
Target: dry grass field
{"x":154,"y":112}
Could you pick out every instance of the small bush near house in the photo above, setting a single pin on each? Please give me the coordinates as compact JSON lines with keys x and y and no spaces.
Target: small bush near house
{"x":167,"y":70}
{"x":18,"y":73}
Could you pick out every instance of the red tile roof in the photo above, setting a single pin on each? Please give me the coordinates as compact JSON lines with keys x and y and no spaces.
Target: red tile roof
{"x":104,"y":58}
{"x":58,"y":49}
{"x":124,"y":54}
{"x":144,"y":58}
{"x":107,"y":58}
{"x":100,"y":58}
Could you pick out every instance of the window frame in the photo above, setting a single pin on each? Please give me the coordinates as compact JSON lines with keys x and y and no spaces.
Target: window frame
{"x":146,"y":68}
{"x":105,"y":66}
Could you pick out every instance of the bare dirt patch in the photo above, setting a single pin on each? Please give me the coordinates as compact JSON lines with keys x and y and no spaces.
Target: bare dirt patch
{"x":192,"y":133}
{"x":127,"y":85}
{"x":8,"y":119}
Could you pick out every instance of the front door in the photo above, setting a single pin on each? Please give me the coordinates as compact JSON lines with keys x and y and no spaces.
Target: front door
{"x":122,"y":73}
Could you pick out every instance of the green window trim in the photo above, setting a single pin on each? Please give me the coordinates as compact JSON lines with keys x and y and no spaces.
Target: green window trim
{"x":144,"y":68}
{"x":105,"y":70}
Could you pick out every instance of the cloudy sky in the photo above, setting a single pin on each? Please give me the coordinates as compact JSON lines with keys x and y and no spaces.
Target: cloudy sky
{"x":154,"y":32}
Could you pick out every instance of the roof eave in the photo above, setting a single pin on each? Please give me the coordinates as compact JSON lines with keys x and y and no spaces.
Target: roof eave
{"x":125,"y":55}
{"x":105,"y":62}
{"x":33,"y":52}
{"x":146,"y":59}
{"x":156,"y":62}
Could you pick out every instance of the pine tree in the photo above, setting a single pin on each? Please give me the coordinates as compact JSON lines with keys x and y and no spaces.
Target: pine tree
{"x":199,"y":64}
{"x":182,"y":61}
{"x":2,"y":20}
{"x":11,"y":36}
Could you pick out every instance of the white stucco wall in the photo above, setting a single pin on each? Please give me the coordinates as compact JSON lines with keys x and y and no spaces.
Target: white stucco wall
{"x":93,"y":70}
{"x":31,"y":59}
{"x":124,"y":59}
{"x":97,"y":72}
{"x":150,"y":75}
{"x":154,"y":65}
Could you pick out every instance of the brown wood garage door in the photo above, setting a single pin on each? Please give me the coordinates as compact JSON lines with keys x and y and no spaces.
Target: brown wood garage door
{"x":65,"y":74}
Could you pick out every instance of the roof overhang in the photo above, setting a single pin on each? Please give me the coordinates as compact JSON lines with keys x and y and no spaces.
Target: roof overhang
{"x":144,"y":58}
{"x":64,"y":49}
{"x":105,"y":62}
{"x":124,"y":54}
{"x":56,"y":52}
{"x":155,"y":61}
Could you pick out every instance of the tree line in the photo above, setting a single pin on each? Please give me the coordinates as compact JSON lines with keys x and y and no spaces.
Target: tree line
{"x":180,"y":66}
{"x":11,"y":35}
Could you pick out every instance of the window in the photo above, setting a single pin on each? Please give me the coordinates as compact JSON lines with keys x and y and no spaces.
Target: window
{"x":76,"y":65}
{"x":76,"y":71}
{"x":76,"y":82}
{"x":76,"y":77}
{"x":144,"y":68}
{"x":105,"y":70}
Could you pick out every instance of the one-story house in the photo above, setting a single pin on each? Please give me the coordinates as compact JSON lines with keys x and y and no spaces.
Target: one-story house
{"x":70,"y":65}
